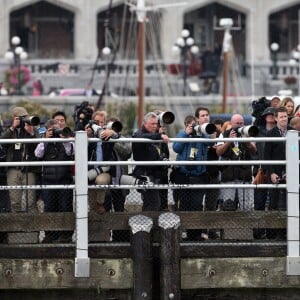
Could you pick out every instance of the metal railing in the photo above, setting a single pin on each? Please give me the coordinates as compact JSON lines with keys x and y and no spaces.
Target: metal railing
{"x":81,"y":186}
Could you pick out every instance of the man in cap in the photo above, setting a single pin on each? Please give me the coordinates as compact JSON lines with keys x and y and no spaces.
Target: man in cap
{"x":21,"y":128}
{"x":261,"y":195}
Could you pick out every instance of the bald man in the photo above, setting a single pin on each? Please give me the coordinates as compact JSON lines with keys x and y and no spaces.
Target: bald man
{"x":242,"y":198}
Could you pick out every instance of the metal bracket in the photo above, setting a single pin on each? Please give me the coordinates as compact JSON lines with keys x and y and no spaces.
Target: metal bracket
{"x":293,"y":265}
{"x":82,"y":267}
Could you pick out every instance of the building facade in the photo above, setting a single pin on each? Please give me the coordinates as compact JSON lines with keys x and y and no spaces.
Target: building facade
{"x":78,"y":30}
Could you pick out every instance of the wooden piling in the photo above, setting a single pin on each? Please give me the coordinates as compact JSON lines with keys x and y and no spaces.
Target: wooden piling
{"x":169,"y":256}
{"x":142,"y":256}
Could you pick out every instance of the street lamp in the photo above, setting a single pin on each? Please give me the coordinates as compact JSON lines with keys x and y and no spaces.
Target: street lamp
{"x":106,"y":52}
{"x":15,"y":56}
{"x":294,"y":61}
{"x":274,"y":50}
{"x":183,"y":46}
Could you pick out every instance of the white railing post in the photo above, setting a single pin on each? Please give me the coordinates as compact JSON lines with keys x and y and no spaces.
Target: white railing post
{"x":82,"y":261}
{"x":292,"y":168}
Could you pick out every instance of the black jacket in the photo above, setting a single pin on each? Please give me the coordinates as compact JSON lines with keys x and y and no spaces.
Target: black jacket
{"x":239,"y":172}
{"x":148,"y":152}
{"x":275,"y":151}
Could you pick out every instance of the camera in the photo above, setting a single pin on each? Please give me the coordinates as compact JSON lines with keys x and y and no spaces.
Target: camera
{"x":93,"y":173}
{"x":282,"y":179}
{"x":115,"y":126}
{"x":82,"y":108}
{"x":131,"y":180}
{"x":206,"y":128}
{"x":65,"y":132}
{"x":33,"y":121}
{"x":247,"y":131}
{"x":166,"y":117}
{"x":258,"y":106}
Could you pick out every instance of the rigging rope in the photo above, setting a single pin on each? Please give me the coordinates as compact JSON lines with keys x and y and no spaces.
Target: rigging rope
{"x":106,"y":30}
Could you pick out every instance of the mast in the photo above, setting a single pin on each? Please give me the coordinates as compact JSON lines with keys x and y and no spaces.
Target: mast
{"x":141,"y":58}
{"x":227,"y":44}
{"x":225,"y":81}
{"x":141,"y":15}
{"x":141,"y":10}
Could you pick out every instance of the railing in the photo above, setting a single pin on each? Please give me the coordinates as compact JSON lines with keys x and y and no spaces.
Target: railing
{"x":85,"y":222}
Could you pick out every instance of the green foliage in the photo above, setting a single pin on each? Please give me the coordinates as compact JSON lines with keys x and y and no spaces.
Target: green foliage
{"x":33,"y":109}
{"x":126,"y":112}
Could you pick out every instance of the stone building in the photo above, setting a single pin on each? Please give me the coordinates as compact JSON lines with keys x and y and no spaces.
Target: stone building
{"x":77,"y":30}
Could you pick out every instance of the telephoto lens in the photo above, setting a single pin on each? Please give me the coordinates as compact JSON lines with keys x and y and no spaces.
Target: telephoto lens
{"x":93,"y":173}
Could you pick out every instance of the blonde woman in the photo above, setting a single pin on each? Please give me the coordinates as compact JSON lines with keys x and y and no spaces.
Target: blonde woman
{"x":289,"y":104}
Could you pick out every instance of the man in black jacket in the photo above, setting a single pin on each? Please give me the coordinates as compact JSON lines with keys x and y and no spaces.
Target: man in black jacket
{"x":58,"y":199}
{"x":21,"y":128}
{"x":149,"y":152}
{"x":276,"y":151}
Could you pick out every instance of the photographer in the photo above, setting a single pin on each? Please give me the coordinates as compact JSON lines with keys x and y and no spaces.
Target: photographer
{"x":21,"y":128}
{"x":276,"y":151}
{"x":190,"y":199}
{"x":82,"y":115}
{"x":240,"y":173}
{"x":99,"y":151}
{"x":149,"y":152}
{"x":56,"y":200}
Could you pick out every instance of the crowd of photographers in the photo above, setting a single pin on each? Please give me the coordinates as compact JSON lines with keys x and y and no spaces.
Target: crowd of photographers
{"x":272,"y":118}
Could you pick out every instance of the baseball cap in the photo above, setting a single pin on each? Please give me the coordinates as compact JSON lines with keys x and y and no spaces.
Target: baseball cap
{"x":268,"y":111}
{"x":19,"y":111}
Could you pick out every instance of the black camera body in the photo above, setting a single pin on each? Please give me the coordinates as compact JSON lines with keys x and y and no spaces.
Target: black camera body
{"x":282,"y":179}
{"x":33,"y":121}
{"x":83,"y":108}
{"x":258,"y":106}
{"x":65,"y":132}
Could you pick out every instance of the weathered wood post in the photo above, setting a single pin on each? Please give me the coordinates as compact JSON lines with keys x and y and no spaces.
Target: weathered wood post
{"x":142,"y":256}
{"x":169,"y":256}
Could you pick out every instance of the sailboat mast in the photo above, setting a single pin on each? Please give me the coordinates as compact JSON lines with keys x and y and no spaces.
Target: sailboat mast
{"x":141,"y":16}
{"x":225,"y":81}
{"x":141,"y":58}
{"x":227,"y":46}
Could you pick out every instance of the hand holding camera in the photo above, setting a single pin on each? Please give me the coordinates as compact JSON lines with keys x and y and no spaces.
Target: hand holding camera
{"x":189,"y":129}
{"x":111,"y":130}
{"x":16,"y":123}
{"x":276,"y":179}
{"x":233,"y":133}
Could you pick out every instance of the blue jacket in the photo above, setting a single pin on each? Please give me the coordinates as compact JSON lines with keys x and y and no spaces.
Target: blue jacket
{"x":184,"y":151}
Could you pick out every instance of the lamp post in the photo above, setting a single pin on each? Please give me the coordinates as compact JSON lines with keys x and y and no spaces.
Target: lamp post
{"x":183,"y":46}
{"x":15,"y":56}
{"x":106,"y":52}
{"x":274,"y":50}
{"x":226,"y":24}
{"x":296,"y":60}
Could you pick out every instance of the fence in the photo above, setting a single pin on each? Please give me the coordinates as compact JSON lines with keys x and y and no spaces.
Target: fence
{"x":88,"y":227}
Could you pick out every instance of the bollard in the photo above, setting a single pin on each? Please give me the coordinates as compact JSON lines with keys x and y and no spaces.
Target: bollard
{"x":169,"y":256}
{"x":142,"y":256}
